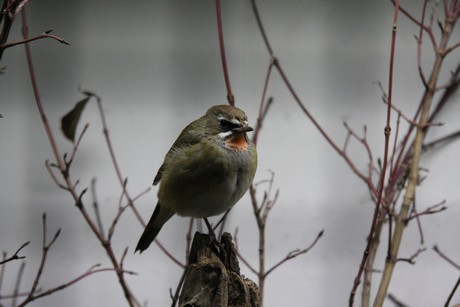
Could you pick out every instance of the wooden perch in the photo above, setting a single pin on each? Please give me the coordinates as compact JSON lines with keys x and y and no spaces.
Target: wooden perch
{"x":213,"y":276}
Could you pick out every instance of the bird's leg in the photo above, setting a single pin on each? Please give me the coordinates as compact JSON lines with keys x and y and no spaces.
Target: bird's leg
{"x":211,"y":231}
{"x":213,"y":239}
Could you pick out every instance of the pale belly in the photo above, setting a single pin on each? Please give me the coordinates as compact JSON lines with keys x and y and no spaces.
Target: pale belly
{"x":205,"y":191}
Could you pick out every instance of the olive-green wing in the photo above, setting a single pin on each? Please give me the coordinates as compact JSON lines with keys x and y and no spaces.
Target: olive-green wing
{"x":192,"y":134}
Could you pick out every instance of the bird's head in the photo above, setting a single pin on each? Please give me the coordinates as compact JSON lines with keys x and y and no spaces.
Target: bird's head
{"x":230,"y":125}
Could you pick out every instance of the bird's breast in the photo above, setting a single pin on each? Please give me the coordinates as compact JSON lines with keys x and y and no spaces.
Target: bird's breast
{"x":237,"y":142}
{"x":206,"y":180}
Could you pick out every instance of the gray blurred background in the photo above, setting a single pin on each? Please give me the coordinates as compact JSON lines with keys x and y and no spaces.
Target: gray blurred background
{"x":156,"y":66}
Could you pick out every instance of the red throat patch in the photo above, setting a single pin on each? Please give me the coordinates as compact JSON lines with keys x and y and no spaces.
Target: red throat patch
{"x":237,"y":142}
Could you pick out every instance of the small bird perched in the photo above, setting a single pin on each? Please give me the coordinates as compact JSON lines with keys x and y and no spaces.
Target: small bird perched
{"x":207,"y":170}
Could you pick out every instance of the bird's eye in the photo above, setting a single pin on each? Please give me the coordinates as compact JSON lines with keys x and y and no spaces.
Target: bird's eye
{"x":226,"y":125}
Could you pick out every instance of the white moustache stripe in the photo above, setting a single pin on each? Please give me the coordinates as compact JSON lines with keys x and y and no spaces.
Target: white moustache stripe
{"x":224,"y":135}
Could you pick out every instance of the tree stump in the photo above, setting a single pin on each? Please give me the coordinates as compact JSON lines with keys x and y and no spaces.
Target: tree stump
{"x":213,"y":276}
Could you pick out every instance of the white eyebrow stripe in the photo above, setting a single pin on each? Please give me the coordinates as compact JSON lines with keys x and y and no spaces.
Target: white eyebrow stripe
{"x":232,"y":120}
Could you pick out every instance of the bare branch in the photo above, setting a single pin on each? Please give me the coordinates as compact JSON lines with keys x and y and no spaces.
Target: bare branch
{"x":18,"y":283}
{"x":45,"y":248}
{"x":63,"y":168}
{"x":295,"y":253}
{"x":444,"y":139}
{"x":250,"y":267}
{"x":96,"y":208}
{"x":396,"y":301}
{"x":175,"y":297}
{"x":445,"y":257}
{"x":430,"y":210}
{"x":411,"y":259}
{"x":15,"y":256}
{"x":451,"y":295}
{"x":40,"y":36}
{"x":230,"y":97}
{"x":427,"y":29}
{"x":92,"y":270}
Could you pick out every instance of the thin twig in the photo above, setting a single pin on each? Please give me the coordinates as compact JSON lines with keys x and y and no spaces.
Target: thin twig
{"x":451,"y":295}
{"x":250,"y":267}
{"x":430,"y":210}
{"x":91,"y":271}
{"x":414,"y":20}
{"x":444,"y":139}
{"x":96,"y":208}
{"x":295,"y":253}
{"x":230,"y":97}
{"x":45,"y":249}
{"x":15,"y":256}
{"x":77,"y":144}
{"x":40,"y":36}
{"x":411,"y":259}
{"x":396,"y":301}
{"x":175,"y":297}
{"x":381,"y":185}
{"x":414,"y":163}
{"x":445,"y":257}
{"x":18,"y":283}
{"x":419,"y":223}
{"x":121,"y":179}
{"x":60,"y":164}
{"x":263,"y":109}
{"x":7,"y":16}
{"x":2,"y":270}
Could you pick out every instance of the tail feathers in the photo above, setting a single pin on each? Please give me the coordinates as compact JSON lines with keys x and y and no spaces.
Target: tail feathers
{"x":156,"y":222}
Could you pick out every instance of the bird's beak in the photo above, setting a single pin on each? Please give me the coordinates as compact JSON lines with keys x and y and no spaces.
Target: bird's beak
{"x":243,"y":129}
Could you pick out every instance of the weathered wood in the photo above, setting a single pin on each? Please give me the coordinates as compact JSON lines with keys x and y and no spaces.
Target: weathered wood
{"x":213,"y":276}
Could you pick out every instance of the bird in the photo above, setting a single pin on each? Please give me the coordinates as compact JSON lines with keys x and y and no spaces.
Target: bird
{"x":207,"y":170}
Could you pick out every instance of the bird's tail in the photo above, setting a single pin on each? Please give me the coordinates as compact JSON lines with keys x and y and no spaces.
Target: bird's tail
{"x":159,"y":217}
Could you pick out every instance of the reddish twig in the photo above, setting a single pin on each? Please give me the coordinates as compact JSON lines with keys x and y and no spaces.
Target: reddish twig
{"x":261,"y":212}
{"x":90,"y":272}
{"x":240,"y":256}
{"x":274,"y":61}
{"x":45,"y":250}
{"x":430,"y":210}
{"x":262,"y":108}
{"x":381,"y":185}
{"x":412,"y":157}
{"x":419,"y":46}
{"x":379,"y":191}
{"x":295,"y":253}
{"x":363,"y":141}
{"x":31,"y":39}
{"x":61,"y":165}
{"x":121,"y":179}
{"x":75,"y":147}
{"x":425,"y":28}
{"x":230,"y":97}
